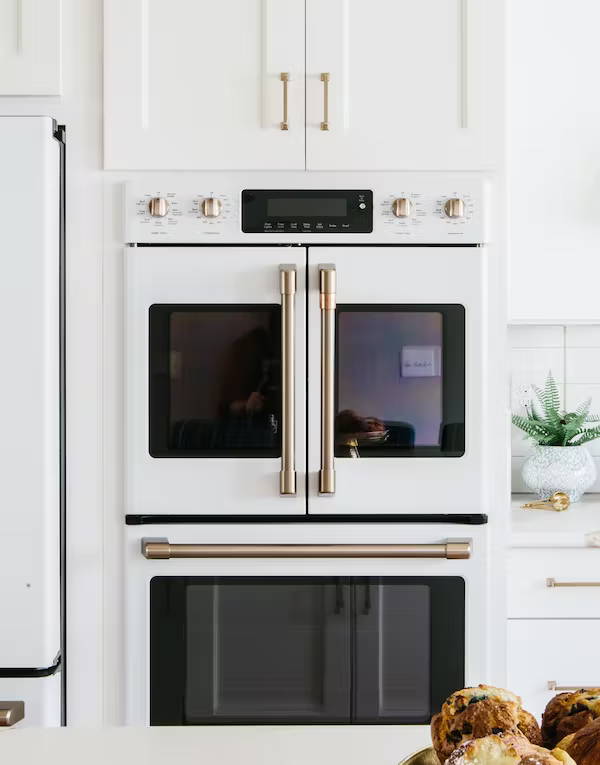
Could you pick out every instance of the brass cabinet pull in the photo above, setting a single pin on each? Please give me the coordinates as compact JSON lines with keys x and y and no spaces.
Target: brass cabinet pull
{"x":553,"y":686}
{"x":551,"y":582}
{"x":287,"y":476}
{"x":325,"y":77}
{"x":285,"y":78}
{"x":11,"y":712}
{"x":327,"y":304}
{"x":163,"y":550}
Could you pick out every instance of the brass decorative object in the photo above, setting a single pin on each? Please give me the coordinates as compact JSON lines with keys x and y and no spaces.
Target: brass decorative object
{"x":423,"y":757}
{"x":558,"y":501}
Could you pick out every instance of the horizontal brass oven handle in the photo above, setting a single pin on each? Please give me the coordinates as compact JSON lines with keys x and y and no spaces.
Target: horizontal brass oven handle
{"x":553,"y":686}
{"x":11,"y":712}
{"x":163,"y":550}
{"x":551,"y":582}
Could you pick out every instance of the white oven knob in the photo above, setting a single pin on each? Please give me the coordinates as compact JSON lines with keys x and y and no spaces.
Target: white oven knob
{"x":211,"y":207}
{"x":158,"y":207}
{"x":454,"y":208}
{"x":402,"y":207}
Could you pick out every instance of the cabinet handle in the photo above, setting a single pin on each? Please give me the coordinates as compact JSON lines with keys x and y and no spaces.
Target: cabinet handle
{"x":154,"y":549}
{"x":11,"y":712}
{"x":285,"y":78}
{"x":553,"y":686}
{"x":325,"y":77}
{"x":287,"y":475}
{"x":327,"y":304}
{"x":551,"y":582}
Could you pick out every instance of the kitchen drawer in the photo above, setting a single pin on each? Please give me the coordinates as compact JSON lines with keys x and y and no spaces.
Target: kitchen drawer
{"x":542,"y":651}
{"x":530,"y":596}
{"x":41,"y":696}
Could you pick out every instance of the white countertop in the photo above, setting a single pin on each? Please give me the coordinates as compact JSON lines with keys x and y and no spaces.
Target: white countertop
{"x":574,"y":527}
{"x":221,"y":745}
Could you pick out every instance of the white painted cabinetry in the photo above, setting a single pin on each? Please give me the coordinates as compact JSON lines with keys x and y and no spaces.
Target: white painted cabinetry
{"x":30,"y":48}
{"x":381,"y":85}
{"x":554,"y":122}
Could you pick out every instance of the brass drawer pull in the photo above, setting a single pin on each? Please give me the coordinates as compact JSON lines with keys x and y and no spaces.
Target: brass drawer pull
{"x":11,"y":712}
{"x":163,"y":550}
{"x":551,"y":582}
{"x":327,"y":287}
{"x":285,"y":78}
{"x":287,"y":476}
{"x":553,"y":686}
{"x":325,"y":77}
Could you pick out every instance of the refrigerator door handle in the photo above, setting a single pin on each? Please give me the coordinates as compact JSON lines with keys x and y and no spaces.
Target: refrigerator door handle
{"x":11,"y":712}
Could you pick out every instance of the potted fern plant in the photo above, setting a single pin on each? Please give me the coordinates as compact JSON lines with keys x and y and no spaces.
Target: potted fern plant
{"x":560,"y":462}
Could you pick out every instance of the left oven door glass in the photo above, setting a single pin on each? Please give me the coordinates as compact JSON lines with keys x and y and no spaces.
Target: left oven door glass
{"x":215,"y":380}
{"x":251,"y":650}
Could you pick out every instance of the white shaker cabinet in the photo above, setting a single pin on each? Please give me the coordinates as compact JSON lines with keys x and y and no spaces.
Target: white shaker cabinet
{"x":192,"y":84}
{"x":554,"y":161}
{"x":412,"y":85}
{"x":30,"y":48}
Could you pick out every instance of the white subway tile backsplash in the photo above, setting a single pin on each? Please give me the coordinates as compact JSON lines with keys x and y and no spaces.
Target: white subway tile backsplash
{"x":531,"y":365}
{"x":582,"y":365}
{"x":536,"y":336}
{"x":583,"y":336}
{"x":577,"y":394}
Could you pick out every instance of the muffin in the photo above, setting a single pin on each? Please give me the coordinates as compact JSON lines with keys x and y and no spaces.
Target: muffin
{"x":509,"y":749}
{"x":584,"y":746}
{"x":569,"y":712}
{"x":474,"y":713}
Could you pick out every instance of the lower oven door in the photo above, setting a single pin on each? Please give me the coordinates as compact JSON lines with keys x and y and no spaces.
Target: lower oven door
{"x":222,"y":640}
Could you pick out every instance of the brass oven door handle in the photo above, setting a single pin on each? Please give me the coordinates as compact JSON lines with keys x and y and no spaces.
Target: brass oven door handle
{"x":551,"y":582}
{"x":154,"y":549}
{"x":11,"y":712}
{"x":553,"y":686}
{"x":285,"y":78}
{"x":327,"y":287}
{"x":287,"y":475}
{"x":325,"y":77}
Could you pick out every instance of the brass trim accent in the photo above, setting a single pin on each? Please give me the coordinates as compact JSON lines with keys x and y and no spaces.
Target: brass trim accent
{"x":551,"y":582}
{"x":402,"y":207}
{"x":11,"y":712}
{"x":325,"y":78}
{"x":553,"y":686}
{"x":210,"y":207}
{"x":327,"y":302}
{"x":285,"y":78}
{"x":287,"y":475}
{"x":158,"y":207}
{"x":162,"y":550}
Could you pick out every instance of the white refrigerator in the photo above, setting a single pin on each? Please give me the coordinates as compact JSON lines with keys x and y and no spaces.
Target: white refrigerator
{"x":32,"y":468}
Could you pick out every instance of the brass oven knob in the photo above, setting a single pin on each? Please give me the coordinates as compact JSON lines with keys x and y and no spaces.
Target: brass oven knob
{"x":211,"y":207}
{"x":158,"y":207}
{"x":454,"y":208}
{"x":402,"y":207}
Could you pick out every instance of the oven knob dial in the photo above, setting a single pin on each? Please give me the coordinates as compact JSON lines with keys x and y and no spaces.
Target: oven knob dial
{"x":454,"y":208}
{"x":158,"y":207}
{"x":211,"y":207}
{"x":402,"y":207}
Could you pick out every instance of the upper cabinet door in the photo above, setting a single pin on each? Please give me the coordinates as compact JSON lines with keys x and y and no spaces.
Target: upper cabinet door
{"x":410,"y":85}
{"x":194,"y":84}
{"x":30,"y":48}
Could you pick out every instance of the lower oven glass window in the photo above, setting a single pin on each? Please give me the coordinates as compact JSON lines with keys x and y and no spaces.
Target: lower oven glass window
{"x":215,"y":387}
{"x":304,"y":649}
{"x":400,"y":381}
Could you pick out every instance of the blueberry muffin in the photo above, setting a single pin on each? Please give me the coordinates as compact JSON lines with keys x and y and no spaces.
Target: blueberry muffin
{"x":509,"y":749}
{"x":569,"y":712}
{"x":473,"y":713}
{"x":584,"y":746}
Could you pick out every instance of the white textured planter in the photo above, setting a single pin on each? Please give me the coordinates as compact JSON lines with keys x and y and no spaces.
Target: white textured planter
{"x":559,"y":468}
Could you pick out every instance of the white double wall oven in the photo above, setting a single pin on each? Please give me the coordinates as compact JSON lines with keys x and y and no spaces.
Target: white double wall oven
{"x":306,"y":480}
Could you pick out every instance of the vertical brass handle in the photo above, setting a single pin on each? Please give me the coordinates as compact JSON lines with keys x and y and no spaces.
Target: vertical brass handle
{"x":325,"y":77}
{"x":327,"y":304}
{"x":287,"y":476}
{"x":285,"y":78}
{"x":11,"y":712}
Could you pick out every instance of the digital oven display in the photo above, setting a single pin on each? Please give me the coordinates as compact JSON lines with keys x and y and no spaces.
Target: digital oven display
{"x":313,"y":207}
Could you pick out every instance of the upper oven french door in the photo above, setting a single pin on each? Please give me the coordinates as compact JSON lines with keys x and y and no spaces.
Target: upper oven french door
{"x":216,"y":342}
{"x":397,"y":386}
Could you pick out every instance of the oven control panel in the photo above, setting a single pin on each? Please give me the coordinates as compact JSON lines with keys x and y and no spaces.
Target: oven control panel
{"x":394,"y":208}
